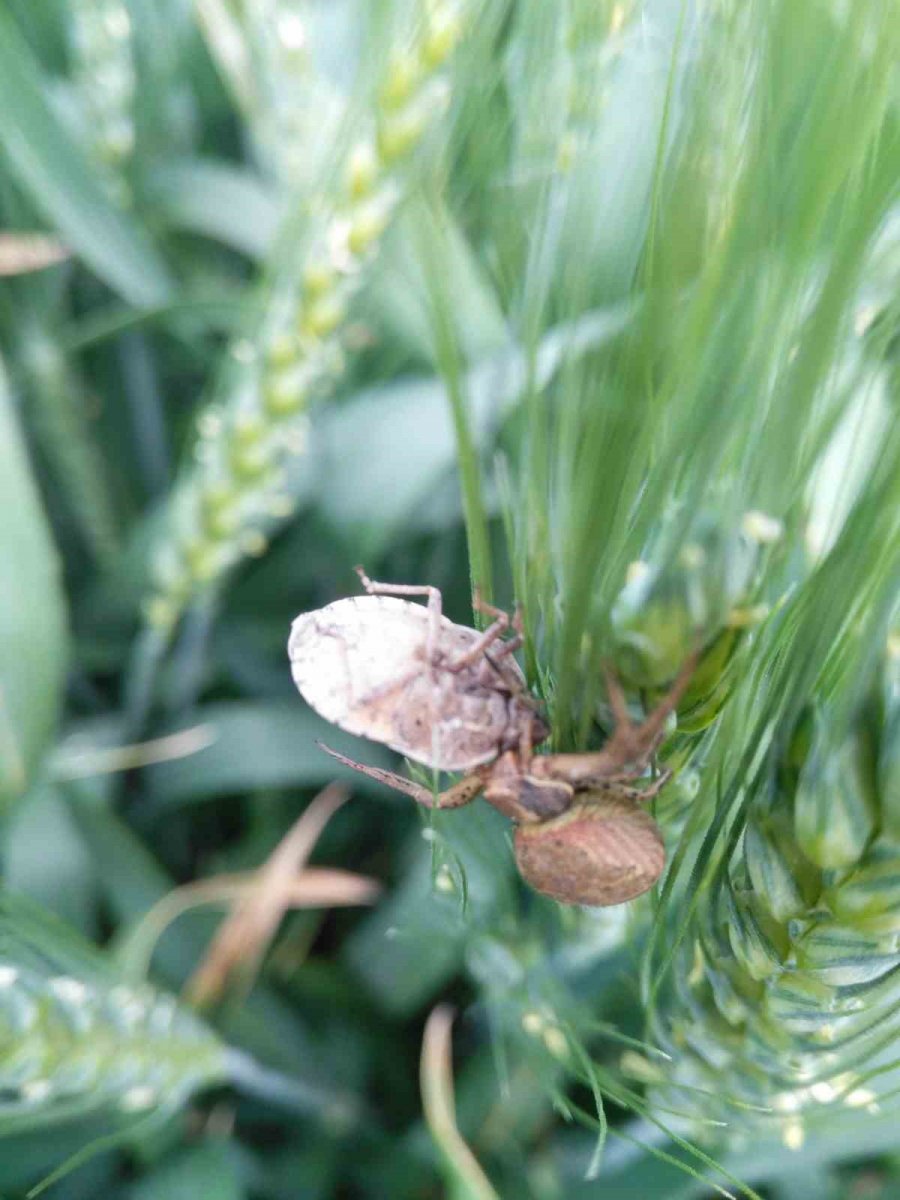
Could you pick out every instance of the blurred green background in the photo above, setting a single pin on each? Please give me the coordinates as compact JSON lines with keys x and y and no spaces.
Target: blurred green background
{"x":592,"y":306}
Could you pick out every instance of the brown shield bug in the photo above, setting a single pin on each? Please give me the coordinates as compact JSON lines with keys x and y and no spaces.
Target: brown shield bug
{"x":454,"y":699}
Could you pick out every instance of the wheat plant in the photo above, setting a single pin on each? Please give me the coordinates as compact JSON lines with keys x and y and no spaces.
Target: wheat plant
{"x":589,"y":307}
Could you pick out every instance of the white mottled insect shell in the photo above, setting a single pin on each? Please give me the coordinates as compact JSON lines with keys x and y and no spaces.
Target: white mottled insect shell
{"x":361,"y":663}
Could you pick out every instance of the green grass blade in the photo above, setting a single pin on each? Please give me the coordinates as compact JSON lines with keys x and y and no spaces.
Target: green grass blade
{"x":33,"y":634}
{"x":62,"y":185}
{"x":217,"y":200}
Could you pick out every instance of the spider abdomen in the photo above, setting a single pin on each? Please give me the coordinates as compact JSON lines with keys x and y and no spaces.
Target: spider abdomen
{"x":603,"y":850}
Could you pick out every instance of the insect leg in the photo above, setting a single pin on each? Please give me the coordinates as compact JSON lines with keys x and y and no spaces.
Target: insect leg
{"x":412,"y":589}
{"x":514,"y":643}
{"x":388,"y":778}
{"x":526,"y":738}
{"x":489,"y":610}
{"x":490,"y":635}
{"x":518,"y":623}
{"x":454,"y":797}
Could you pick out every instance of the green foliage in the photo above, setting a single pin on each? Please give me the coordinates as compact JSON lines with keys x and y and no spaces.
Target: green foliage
{"x":33,"y":641}
{"x":61,"y":185}
{"x":590,"y":306}
{"x":78,"y":1040}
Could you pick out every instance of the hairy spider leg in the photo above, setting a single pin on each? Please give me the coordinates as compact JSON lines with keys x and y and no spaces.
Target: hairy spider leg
{"x":618,"y":786}
{"x":626,"y":754}
{"x":633,"y":743}
{"x":463,"y":792}
{"x":652,"y":790}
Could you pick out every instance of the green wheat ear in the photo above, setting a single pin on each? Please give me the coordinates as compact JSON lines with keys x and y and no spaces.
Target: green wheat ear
{"x":670,"y":495}
{"x":785,"y":976}
{"x":104,"y":71}
{"x":76,"y":1038}
{"x":256,"y":424}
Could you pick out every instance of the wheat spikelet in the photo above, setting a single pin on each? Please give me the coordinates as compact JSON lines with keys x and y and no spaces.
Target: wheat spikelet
{"x":72,"y":1034}
{"x":250,"y":435}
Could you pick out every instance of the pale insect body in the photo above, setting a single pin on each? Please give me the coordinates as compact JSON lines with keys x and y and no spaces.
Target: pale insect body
{"x":363,"y":664}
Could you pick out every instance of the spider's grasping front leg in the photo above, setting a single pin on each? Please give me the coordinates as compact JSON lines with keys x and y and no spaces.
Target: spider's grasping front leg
{"x":634,"y":744}
{"x":625,"y":756}
{"x":456,"y":796}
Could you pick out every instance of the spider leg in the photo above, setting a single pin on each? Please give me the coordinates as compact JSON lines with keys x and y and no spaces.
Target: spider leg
{"x":626,"y":754}
{"x":652,"y":727}
{"x":633,"y":744}
{"x":454,"y":797}
{"x":617,"y":701}
{"x":618,"y":786}
{"x":654,"y":787}
{"x":597,"y":772}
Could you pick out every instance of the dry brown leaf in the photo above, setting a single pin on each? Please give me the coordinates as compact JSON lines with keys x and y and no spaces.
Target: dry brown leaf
{"x":21,"y":253}
{"x":436,"y":1081}
{"x":280,"y":884}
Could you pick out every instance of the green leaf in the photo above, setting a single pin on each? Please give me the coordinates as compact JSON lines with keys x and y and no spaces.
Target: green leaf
{"x":265,"y":1025}
{"x":33,"y":634}
{"x":633,"y":1171}
{"x":33,"y":937}
{"x":47,"y":859}
{"x":414,"y":941}
{"x":28,"y":1156}
{"x":63,"y":185}
{"x":205,"y":1172}
{"x":399,"y":299}
{"x":252,"y":747}
{"x":382,"y":455}
{"x":218,"y":200}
